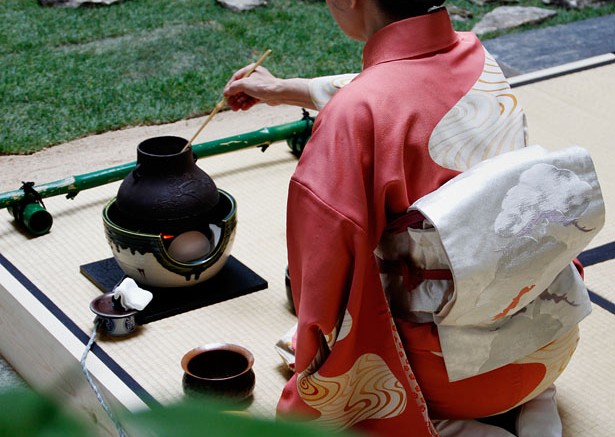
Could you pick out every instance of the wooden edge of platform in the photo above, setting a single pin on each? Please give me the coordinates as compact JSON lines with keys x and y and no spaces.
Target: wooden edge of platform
{"x":561,"y":70}
{"x":37,"y":335}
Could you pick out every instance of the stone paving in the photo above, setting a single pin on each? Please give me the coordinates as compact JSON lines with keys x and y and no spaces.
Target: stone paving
{"x":8,"y":377}
{"x":534,"y":50}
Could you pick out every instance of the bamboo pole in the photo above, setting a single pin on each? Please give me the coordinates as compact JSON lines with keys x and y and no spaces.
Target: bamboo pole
{"x":222,"y":102}
{"x":72,"y":185}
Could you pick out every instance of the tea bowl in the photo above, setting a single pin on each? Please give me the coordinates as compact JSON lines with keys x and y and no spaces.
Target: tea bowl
{"x":113,"y":319}
{"x":221,"y":370}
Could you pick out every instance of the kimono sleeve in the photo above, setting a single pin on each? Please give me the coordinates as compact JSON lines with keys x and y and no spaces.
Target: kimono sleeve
{"x":351,"y":367}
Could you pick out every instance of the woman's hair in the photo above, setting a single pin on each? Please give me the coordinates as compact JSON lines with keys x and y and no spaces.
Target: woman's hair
{"x":400,"y":9}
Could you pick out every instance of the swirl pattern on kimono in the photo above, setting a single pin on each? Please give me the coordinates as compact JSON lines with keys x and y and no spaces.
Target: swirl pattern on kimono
{"x":555,"y":357}
{"x":342,"y":332}
{"x":369,"y":390}
{"x":484,"y":123}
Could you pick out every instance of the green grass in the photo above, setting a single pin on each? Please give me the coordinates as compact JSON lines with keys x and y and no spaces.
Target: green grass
{"x":67,"y":73}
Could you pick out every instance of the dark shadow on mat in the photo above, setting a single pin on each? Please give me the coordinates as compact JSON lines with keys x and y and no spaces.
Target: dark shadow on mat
{"x":234,"y":280}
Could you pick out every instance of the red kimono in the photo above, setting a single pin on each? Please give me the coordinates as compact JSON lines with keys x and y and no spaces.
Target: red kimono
{"x":382,"y":142}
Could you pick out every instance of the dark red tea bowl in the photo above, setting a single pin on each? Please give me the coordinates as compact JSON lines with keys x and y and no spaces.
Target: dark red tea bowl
{"x":220,"y":370}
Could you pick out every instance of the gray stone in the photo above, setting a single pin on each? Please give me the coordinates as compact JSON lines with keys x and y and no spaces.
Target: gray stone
{"x":77,"y":3}
{"x":493,"y":2}
{"x":508,"y":17}
{"x":573,"y":4}
{"x":537,"y":49}
{"x":566,"y":4}
{"x":458,"y":14}
{"x":9,"y":379}
{"x":241,"y":5}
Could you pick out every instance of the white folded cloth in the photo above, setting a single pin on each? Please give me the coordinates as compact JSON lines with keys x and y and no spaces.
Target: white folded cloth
{"x":131,"y":296}
{"x":538,"y":417}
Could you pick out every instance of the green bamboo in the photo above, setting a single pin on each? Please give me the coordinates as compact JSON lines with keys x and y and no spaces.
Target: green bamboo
{"x":72,"y":185}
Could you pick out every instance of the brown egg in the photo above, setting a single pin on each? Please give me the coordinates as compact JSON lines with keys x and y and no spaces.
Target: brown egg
{"x":189,"y":246}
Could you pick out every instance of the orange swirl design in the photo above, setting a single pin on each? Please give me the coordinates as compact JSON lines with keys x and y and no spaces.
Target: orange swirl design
{"x":330,"y":338}
{"x":508,"y":101}
{"x":369,"y":390}
{"x":511,"y":306}
{"x":485,"y":122}
{"x":340,"y":333}
{"x":306,"y":389}
{"x":555,"y":357}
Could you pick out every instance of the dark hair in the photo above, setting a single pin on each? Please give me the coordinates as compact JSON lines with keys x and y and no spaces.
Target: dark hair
{"x":400,"y":9}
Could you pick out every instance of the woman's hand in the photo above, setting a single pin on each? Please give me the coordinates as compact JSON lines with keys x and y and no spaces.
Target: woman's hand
{"x":261,"y":86}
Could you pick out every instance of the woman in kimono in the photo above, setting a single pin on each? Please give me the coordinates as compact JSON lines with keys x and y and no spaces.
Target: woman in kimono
{"x":429,"y":103}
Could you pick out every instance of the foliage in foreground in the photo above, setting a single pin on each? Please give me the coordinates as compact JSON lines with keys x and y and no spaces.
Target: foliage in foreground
{"x":25,"y":413}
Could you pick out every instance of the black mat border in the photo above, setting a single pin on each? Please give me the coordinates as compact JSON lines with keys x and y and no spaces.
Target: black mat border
{"x":597,"y":254}
{"x":124,"y":376}
{"x":592,"y":256}
{"x":601,"y":302}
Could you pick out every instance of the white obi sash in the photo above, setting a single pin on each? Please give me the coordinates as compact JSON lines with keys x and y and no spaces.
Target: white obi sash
{"x":507,"y":229}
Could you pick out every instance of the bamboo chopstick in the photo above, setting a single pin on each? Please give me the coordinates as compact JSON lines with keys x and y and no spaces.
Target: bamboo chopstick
{"x":222,"y":102}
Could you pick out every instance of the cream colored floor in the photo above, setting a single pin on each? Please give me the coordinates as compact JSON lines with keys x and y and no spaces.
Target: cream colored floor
{"x":258,"y":182}
{"x":574,"y":109}
{"x":578,"y":109}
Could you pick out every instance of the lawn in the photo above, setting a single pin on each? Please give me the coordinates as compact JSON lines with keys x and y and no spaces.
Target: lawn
{"x":67,"y":73}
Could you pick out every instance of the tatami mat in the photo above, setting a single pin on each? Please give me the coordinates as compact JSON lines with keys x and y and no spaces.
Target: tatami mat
{"x":574,"y":109}
{"x":577,"y":109}
{"x":539,"y":49}
{"x":585,"y":389}
{"x":258,"y":181}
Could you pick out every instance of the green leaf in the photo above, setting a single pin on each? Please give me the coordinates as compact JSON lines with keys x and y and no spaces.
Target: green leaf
{"x":204,"y":417}
{"x":24,"y":413}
